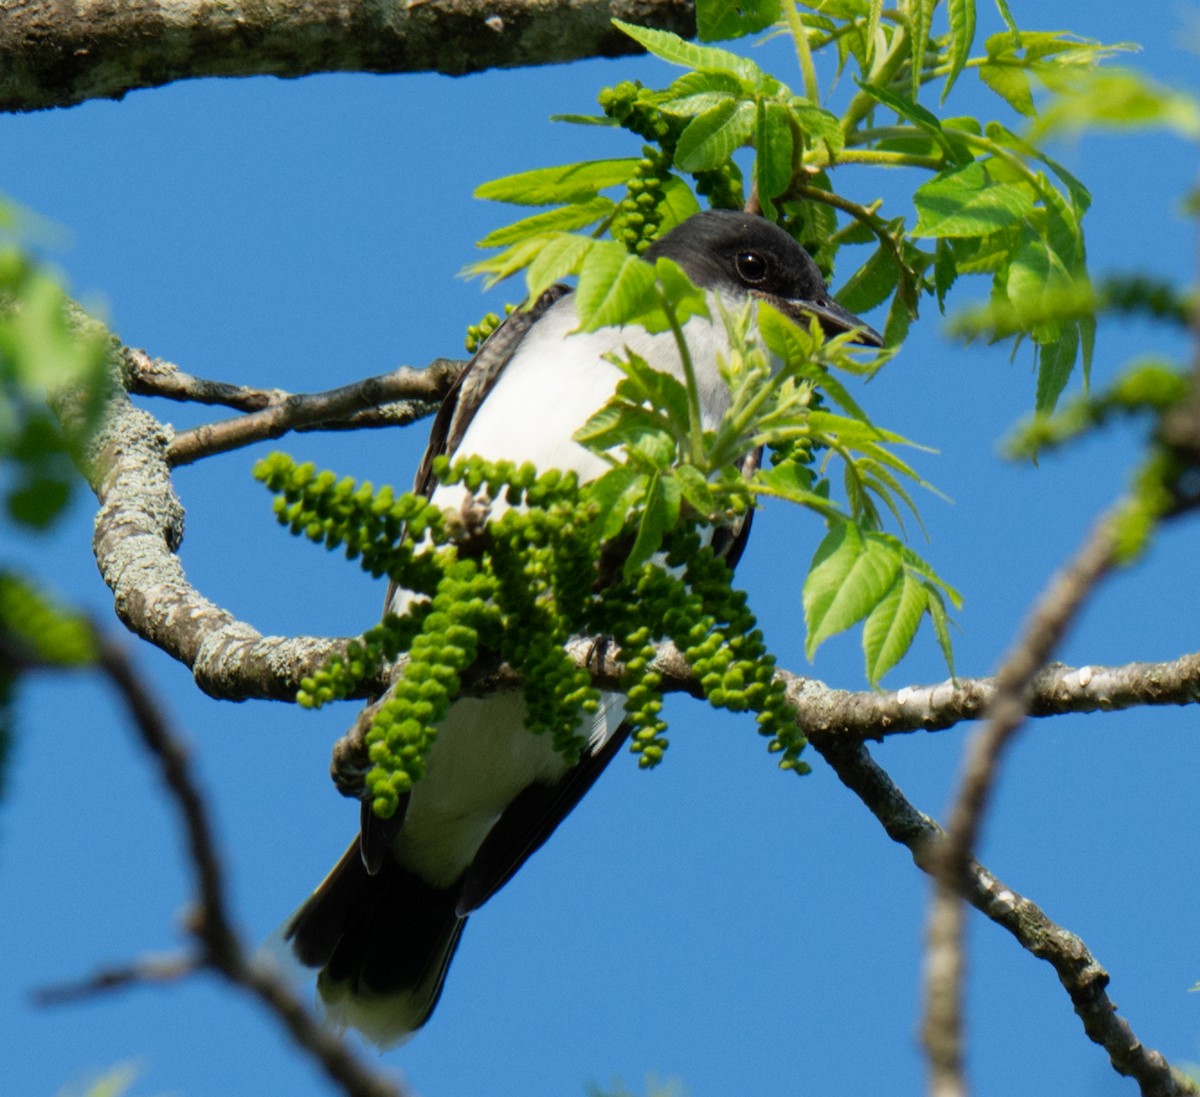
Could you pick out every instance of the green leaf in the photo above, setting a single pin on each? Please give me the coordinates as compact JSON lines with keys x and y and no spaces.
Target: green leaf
{"x":37,"y":503}
{"x":962,"y":36}
{"x":850,"y":574}
{"x":820,"y":127}
{"x":899,"y":320}
{"x":1056,"y":359}
{"x":1117,"y":98}
{"x":562,"y":254}
{"x":941,"y":627}
{"x":660,"y":514}
{"x":615,"y":493}
{"x":614,"y":287}
{"x":692,"y":105}
{"x":552,"y":186}
{"x":695,"y":488}
{"x":621,"y":425}
{"x":945,"y":271}
{"x":677,"y":203}
{"x":794,"y":482}
{"x":966,"y":202}
{"x":717,"y":20}
{"x":891,"y":626}
{"x":873,"y":17}
{"x":712,"y":137}
{"x":924,"y":120}
{"x":676,"y":51}
{"x":773,"y":146}
{"x":660,"y":389}
{"x":1011,"y":83}
{"x":920,"y":15}
{"x":1010,"y":22}
{"x":565,"y":219}
{"x":872,"y":283}
{"x":508,"y":262}
{"x":1081,"y":198}
{"x":704,"y":80}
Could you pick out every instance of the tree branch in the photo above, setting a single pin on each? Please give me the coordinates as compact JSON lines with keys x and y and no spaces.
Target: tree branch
{"x":220,"y":947}
{"x":57,"y":55}
{"x":1056,"y":609}
{"x":1081,"y":975}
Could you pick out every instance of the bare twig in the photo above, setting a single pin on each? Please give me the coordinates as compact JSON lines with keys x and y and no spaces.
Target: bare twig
{"x":220,"y":946}
{"x":1081,"y":975}
{"x":145,"y":969}
{"x":1052,"y":616}
{"x":407,"y":394}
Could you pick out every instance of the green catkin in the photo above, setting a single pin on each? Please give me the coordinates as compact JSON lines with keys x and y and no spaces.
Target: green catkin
{"x":520,"y":587}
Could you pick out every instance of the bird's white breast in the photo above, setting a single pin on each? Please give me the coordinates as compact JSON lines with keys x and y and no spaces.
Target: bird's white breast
{"x":483,"y":756}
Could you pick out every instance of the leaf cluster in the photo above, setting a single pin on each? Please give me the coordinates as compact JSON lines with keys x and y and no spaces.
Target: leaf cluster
{"x":996,"y":204}
{"x":785,"y":398}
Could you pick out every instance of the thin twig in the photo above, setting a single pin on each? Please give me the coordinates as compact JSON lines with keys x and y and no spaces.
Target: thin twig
{"x":409,"y":395}
{"x":143,"y":970}
{"x":221,"y":949}
{"x":1052,"y":616}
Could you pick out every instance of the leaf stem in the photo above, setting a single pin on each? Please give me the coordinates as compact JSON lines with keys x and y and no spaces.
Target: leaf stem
{"x":695,"y":425}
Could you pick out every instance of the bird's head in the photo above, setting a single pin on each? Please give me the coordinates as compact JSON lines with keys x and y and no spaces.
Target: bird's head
{"x":742,"y":254}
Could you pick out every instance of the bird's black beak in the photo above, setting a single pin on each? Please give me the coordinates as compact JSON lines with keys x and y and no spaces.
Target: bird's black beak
{"x":832,"y":317}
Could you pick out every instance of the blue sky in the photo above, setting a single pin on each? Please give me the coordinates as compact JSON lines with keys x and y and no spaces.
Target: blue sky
{"x":714,"y":921}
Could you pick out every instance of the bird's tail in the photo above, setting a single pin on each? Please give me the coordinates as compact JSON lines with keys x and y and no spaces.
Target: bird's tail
{"x":383,"y":943}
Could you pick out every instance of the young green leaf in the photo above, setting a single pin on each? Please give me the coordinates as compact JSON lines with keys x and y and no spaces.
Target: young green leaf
{"x":1011,"y":83}
{"x":773,"y":146}
{"x":551,"y":186}
{"x":563,"y":253}
{"x":850,"y":574}
{"x":891,"y":626}
{"x":1056,"y":359}
{"x":564,"y":219}
{"x":711,"y":138}
{"x":677,"y":51}
{"x":614,"y":287}
{"x":962,"y":36}
{"x":717,"y":20}
{"x":920,"y":15}
{"x":967,"y":202}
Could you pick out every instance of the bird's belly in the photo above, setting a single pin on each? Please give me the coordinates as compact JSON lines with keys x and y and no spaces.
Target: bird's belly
{"x":482,"y":759}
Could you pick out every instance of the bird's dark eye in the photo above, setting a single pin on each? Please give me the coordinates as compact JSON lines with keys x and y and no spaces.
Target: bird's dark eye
{"x":751,"y":267}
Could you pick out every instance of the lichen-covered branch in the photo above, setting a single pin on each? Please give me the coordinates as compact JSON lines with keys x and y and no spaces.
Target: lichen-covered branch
{"x":55,"y":54}
{"x":138,"y":530}
{"x":140,"y":525}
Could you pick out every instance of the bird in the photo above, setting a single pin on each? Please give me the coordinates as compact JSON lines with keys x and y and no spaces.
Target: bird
{"x":384,"y":924}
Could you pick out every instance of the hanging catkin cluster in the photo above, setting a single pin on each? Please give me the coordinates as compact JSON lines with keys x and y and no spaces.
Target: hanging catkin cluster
{"x":519,"y":582}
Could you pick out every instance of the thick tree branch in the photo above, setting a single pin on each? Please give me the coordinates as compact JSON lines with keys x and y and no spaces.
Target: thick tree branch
{"x":56,"y":54}
{"x":1077,"y":969}
{"x":140,"y":525}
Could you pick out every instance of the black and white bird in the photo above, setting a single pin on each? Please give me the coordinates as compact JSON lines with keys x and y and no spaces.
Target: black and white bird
{"x":384,"y":924}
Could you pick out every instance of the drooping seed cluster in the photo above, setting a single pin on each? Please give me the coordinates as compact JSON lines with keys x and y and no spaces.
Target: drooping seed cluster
{"x":515,"y":573}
